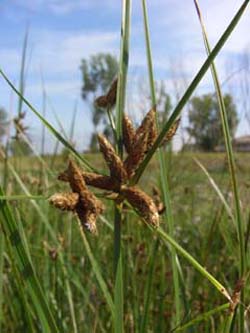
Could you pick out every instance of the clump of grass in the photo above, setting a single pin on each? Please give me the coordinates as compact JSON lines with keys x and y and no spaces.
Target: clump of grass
{"x":148,"y":291}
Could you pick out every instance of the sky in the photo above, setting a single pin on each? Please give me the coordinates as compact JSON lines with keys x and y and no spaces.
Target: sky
{"x":62,"y":32}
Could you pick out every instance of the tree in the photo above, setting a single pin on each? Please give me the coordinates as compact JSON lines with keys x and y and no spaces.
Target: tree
{"x":98,"y":73}
{"x":205,"y":123}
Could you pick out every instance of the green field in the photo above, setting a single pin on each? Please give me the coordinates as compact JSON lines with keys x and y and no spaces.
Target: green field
{"x":64,"y":269}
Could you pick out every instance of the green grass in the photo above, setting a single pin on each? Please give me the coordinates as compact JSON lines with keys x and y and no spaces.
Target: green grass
{"x":196,"y":206}
{"x":130,"y":278}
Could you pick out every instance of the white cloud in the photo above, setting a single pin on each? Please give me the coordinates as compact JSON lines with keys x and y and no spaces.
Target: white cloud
{"x":61,"y":7}
{"x":59,"y":53}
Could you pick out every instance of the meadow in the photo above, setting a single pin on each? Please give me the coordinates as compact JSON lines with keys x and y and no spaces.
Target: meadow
{"x":64,"y":268}
{"x":186,"y":271}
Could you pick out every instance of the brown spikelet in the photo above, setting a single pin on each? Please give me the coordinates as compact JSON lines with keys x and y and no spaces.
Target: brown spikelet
{"x":63,"y":176}
{"x":143,"y":203}
{"x":147,"y":122}
{"x":92,"y":179}
{"x":109,"y":99}
{"x":101,"y":101}
{"x":117,"y":171}
{"x":99,"y":181}
{"x":171,"y":132}
{"x":76,"y":180}
{"x":236,"y":294}
{"x":64,"y":201}
{"x":152,"y":134}
{"x":128,"y":133}
{"x":111,"y":95}
{"x":88,"y":207}
{"x":136,"y":155}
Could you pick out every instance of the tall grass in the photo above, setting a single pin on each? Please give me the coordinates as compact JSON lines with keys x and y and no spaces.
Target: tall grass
{"x":163,"y":172}
{"x":62,"y":277}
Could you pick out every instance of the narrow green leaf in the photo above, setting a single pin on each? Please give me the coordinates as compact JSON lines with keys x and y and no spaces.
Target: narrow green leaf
{"x":120,"y":105}
{"x":163,"y":170}
{"x":97,"y":272}
{"x":202,"y":317}
{"x":217,"y":189}
{"x":25,"y":268}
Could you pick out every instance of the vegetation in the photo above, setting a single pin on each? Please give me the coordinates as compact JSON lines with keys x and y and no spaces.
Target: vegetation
{"x":189,"y":274}
{"x":98,"y":72}
{"x":204,"y":120}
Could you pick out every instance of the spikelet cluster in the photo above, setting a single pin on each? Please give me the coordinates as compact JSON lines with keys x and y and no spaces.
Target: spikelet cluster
{"x":108,"y":100}
{"x":20,"y":128}
{"x":137,"y":142}
{"x":81,"y":200}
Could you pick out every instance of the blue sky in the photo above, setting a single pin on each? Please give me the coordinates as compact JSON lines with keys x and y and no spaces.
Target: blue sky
{"x":62,"y":32}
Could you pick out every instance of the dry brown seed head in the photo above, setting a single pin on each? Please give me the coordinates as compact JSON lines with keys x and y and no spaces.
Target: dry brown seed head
{"x":128,"y":133}
{"x":147,"y":122}
{"x":117,"y":171}
{"x":64,"y":201}
{"x":101,"y":101}
{"x":76,"y":180}
{"x":143,"y":203}
{"x":87,"y":219}
{"x":88,"y":209}
{"x":99,"y":181}
{"x":63,"y":176}
{"x":111,"y":95}
{"x":236,"y":295}
{"x":171,"y":132}
{"x":136,"y":156}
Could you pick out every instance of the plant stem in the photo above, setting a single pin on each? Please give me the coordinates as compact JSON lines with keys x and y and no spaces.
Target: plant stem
{"x":163,"y":172}
{"x":120,"y":105}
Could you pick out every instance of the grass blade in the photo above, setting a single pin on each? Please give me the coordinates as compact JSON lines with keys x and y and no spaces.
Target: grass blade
{"x":97,"y":272}
{"x":203,"y":317}
{"x":217,"y":189}
{"x":148,"y":287}
{"x":163,"y":171}
{"x":123,"y":70}
{"x":25,"y":268}
{"x":120,"y":105}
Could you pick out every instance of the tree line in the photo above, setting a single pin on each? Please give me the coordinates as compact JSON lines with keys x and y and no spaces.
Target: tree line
{"x":203,"y":128}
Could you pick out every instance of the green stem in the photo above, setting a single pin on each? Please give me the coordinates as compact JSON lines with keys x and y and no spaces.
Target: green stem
{"x":163,"y":172}
{"x":203,"y":316}
{"x":112,"y":123}
{"x":120,"y":105}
